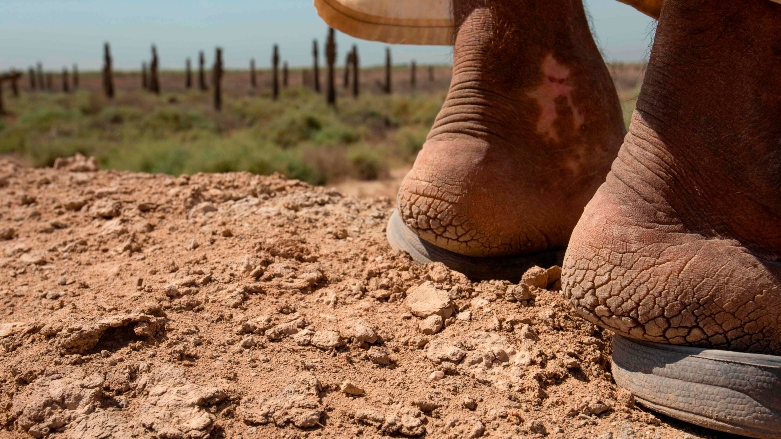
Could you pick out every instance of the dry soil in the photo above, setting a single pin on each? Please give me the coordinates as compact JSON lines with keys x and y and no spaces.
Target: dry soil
{"x":240,"y":306}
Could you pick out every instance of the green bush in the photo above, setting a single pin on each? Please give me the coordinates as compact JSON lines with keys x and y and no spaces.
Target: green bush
{"x":44,"y":118}
{"x":165,"y":120}
{"x":294,"y":127}
{"x":367,"y":163}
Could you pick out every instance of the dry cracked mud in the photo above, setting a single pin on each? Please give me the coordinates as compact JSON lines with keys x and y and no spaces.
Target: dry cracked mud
{"x":240,"y":306}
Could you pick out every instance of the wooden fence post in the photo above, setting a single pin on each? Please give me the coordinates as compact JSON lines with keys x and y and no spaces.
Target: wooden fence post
{"x":413,"y":80}
{"x":188,"y":78}
{"x":356,"y":79}
{"x":275,"y":72}
{"x":50,"y":81}
{"x":284,"y":74}
{"x":388,"y":85}
{"x":75,"y":77}
{"x":31,"y":74}
{"x":431,"y":73}
{"x":15,"y":82}
{"x":217,"y":79}
{"x":253,"y":81}
{"x":154,"y":79}
{"x":65,"y":86}
{"x":201,"y":72}
{"x":348,"y":63}
{"x":14,"y":78}
{"x":108,"y":80}
{"x":330,"y":57}
{"x":316,"y":66}
{"x":144,"y":78}
{"x":41,"y":84}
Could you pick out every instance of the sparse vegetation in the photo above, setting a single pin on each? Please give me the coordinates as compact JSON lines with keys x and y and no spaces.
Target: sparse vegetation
{"x":298,"y":135}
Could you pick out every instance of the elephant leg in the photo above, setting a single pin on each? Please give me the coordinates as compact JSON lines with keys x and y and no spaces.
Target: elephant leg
{"x":525,"y":136}
{"x":679,"y":251}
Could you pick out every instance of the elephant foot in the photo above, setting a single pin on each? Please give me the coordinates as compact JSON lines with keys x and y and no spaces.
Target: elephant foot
{"x":681,"y":246}
{"x":526,"y":135}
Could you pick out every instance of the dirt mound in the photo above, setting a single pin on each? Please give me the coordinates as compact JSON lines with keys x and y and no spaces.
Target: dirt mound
{"x":234,"y":305}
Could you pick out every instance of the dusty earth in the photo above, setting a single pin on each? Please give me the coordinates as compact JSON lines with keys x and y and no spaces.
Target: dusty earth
{"x":238,"y":306}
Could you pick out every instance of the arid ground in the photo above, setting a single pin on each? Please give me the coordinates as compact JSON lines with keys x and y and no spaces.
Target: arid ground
{"x":239,"y":306}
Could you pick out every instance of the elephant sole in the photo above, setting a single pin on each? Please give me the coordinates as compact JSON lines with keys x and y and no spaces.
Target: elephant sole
{"x":728,"y":391}
{"x":402,"y":237}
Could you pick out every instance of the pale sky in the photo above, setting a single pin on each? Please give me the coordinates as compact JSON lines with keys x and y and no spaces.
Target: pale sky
{"x":62,"y":32}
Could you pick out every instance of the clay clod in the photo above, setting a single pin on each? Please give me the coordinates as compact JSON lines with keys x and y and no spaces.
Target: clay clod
{"x":426,"y":300}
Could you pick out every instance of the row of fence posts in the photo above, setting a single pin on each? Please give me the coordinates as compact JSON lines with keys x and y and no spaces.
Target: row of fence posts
{"x":150,"y":79}
{"x":39,"y":80}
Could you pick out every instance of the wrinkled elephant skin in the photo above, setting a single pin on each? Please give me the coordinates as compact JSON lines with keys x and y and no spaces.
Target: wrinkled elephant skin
{"x":527,"y":133}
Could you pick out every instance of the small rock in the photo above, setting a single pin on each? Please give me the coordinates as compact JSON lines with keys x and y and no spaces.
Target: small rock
{"x":7,"y":233}
{"x":304,"y":337}
{"x":535,"y":277}
{"x":418,"y":342}
{"x":596,"y":407}
{"x":106,"y":209}
{"x":33,"y":259}
{"x":340,"y":234}
{"x":298,"y":404}
{"x":77,"y":163}
{"x":192,"y":245}
{"x":518,"y":293}
{"x":371,"y":417}
{"x":360,"y":332}
{"x":469,"y":403}
{"x":26,"y":199}
{"x":538,"y":427}
{"x":571,"y":363}
{"x":74,"y":205}
{"x":146,"y":206}
{"x":479,"y":302}
{"x":431,"y":324}
{"x":204,"y":208}
{"x":258,"y":325}
{"x":171,"y":290}
{"x":57,"y":224}
{"x":11,"y":328}
{"x":464,"y":316}
{"x":477,"y":430}
{"x":439,"y":351}
{"x":349,"y":388}
{"x":226,"y":233}
{"x":248,"y":342}
{"x":425,"y":405}
{"x":54,"y":295}
{"x":436,"y":375}
{"x":327,"y":339}
{"x":378,"y":355}
{"x":426,"y":300}
{"x":283,"y":330}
